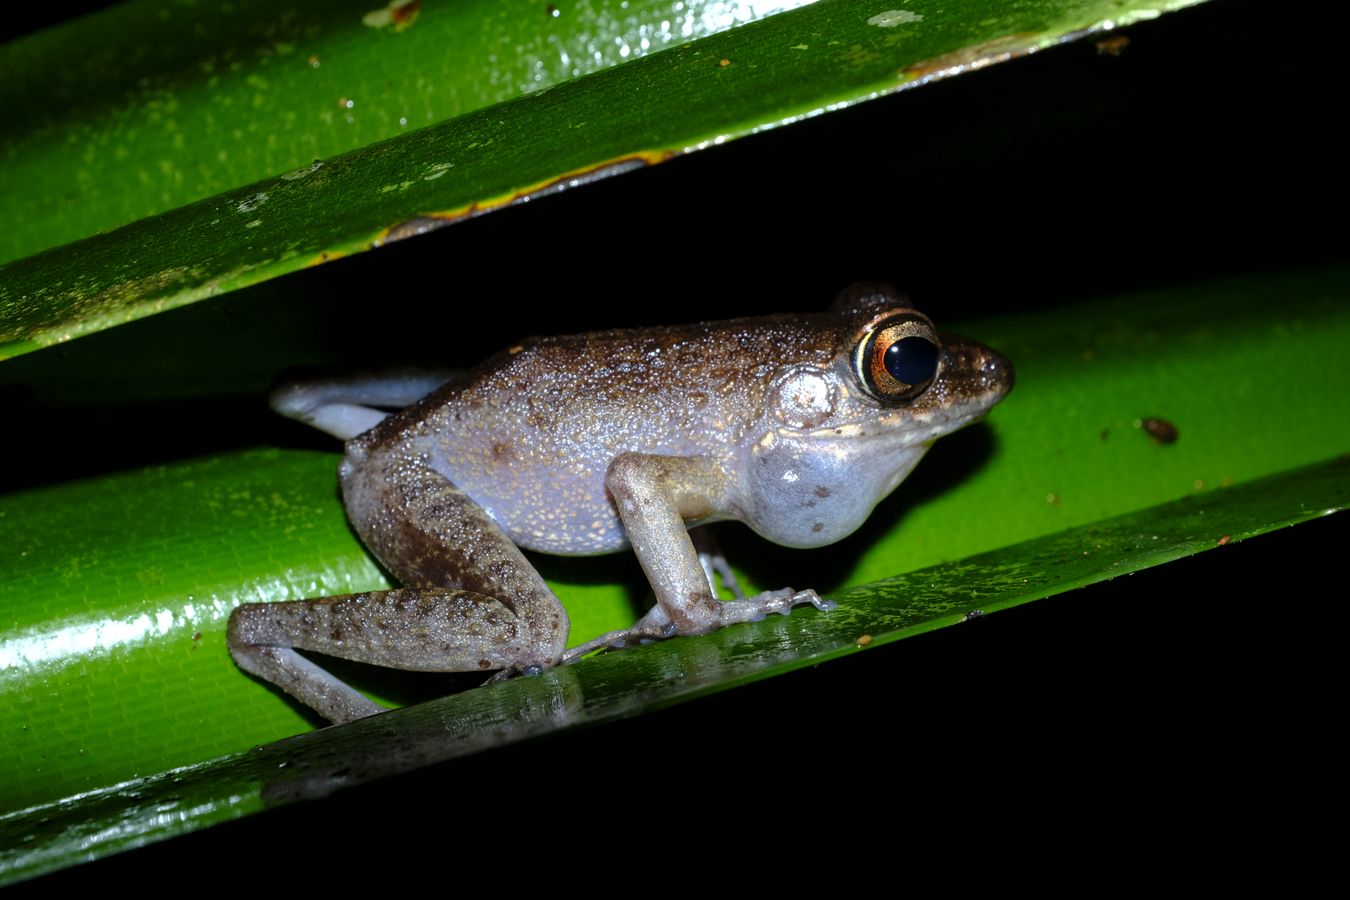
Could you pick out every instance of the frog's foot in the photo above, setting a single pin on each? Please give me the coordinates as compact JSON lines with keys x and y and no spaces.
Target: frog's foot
{"x":657,"y":624}
{"x":641,"y":633}
{"x":516,"y":672}
{"x":752,"y":609}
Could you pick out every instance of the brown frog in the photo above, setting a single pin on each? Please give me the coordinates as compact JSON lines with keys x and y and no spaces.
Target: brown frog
{"x":797,"y":425}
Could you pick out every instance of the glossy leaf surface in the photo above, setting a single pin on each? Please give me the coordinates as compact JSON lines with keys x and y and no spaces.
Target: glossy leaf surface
{"x":617,"y":685}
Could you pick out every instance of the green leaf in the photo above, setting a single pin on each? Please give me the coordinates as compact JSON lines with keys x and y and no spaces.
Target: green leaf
{"x":617,"y":685}
{"x":228,"y":105}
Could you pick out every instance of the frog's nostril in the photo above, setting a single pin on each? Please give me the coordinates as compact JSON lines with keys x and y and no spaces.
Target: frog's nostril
{"x":998,"y":371}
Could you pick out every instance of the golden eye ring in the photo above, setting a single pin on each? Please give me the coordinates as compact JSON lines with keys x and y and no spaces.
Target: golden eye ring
{"x":898,"y":358}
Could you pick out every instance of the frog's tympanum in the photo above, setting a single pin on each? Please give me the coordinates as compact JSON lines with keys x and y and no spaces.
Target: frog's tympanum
{"x":797,"y":425}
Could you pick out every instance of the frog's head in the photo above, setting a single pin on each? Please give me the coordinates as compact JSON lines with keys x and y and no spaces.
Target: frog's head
{"x":924,"y":383}
{"x":843,"y":436}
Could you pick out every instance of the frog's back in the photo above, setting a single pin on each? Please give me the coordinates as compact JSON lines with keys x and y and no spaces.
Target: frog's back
{"x":530,"y":433}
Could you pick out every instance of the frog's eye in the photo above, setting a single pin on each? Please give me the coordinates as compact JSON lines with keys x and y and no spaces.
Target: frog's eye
{"x":897,"y":360}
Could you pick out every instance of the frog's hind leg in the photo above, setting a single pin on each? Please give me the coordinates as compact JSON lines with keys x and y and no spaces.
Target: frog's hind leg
{"x":347,"y":405}
{"x":418,"y":630}
{"x":472,"y":601}
{"x":430,"y":534}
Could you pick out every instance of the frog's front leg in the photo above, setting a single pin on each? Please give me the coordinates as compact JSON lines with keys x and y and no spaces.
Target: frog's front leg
{"x":472,"y":601}
{"x":656,"y":496}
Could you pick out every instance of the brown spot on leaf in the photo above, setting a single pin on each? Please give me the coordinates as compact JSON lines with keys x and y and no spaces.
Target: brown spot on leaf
{"x":398,"y":15}
{"x":1005,"y":47}
{"x":403,"y":14}
{"x":585,"y":175}
{"x":1160,"y":430}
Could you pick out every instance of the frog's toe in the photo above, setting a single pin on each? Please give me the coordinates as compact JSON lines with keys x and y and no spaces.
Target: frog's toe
{"x":642,"y":633}
{"x":759,"y":606}
{"x":815,"y":600}
{"x":515,"y":671}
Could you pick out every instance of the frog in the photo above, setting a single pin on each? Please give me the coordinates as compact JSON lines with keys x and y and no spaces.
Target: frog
{"x":797,"y":425}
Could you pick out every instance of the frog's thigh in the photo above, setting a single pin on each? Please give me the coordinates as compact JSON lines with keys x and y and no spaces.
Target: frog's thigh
{"x":428,"y":532}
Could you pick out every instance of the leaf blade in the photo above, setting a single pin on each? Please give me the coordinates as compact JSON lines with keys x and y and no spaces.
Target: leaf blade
{"x":619,"y":685}
{"x":487,"y":158}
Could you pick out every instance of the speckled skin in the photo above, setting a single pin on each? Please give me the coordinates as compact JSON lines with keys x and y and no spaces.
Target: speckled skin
{"x":591,"y":443}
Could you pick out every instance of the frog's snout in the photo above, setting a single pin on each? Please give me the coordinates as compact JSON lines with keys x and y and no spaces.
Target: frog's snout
{"x":998,"y":373}
{"x":975,"y":372}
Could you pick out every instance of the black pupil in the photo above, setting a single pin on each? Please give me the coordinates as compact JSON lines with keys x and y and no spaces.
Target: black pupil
{"x":912,"y":360}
